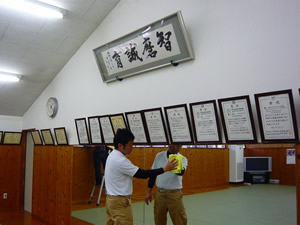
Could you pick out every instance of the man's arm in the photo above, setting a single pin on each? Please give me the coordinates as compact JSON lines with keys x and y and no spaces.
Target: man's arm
{"x":148,"y":173}
{"x":170,"y":165}
{"x":148,"y":197}
{"x":181,"y":173}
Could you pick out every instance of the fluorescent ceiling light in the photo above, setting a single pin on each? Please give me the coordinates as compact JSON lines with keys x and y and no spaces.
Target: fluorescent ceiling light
{"x":9,"y":77}
{"x":34,"y":7}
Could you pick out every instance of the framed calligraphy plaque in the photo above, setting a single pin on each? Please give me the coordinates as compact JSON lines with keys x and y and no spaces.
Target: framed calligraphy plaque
{"x":36,"y":136}
{"x":161,"y":43}
{"x":178,"y":124}
{"x":95,"y":130}
{"x":47,"y":137}
{"x":205,"y":122}
{"x":12,"y":138}
{"x":82,"y":131}
{"x":237,"y":120}
{"x":276,"y":116}
{"x":61,"y":136}
{"x":155,"y":126}
{"x":136,"y":124}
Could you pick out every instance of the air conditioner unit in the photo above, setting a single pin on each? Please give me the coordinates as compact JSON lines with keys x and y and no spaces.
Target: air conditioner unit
{"x":236,"y":164}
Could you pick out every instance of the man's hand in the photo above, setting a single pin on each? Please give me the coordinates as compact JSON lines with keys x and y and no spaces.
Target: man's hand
{"x":148,"y":198}
{"x":170,"y":165}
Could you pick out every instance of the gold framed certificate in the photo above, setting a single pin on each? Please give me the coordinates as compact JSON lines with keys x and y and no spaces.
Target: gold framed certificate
{"x":61,"y":136}
{"x":12,"y":138}
{"x":36,"y":137}
{"x":117,"y":121}
{"x":1,"y":135}
{"x":47,"y":137}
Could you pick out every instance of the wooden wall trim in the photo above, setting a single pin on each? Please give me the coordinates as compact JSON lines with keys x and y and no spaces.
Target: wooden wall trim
{"x":257,"y":146}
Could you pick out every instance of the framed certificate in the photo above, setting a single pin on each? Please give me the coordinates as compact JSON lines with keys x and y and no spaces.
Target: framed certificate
{"x":276,"y":116}
{"x":178,"y":124}
{"x":155,"y":126}
{"x":136,"y":124}
{"x":107,"y":130}
{"x":237,"y":120}
{"x":12,"y":138}
{"x":61,"y":136}
{"x":117,"y":121}
{"x":82,"y":131}
{"x":95,"y":130}
{"x":1,"y":135}
{"x":47,"y":137}
{"x":205,"y":122}
{"x":36,"y":136}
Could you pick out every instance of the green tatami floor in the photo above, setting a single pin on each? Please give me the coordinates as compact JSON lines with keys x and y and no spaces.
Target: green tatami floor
{"x":257,"y":204}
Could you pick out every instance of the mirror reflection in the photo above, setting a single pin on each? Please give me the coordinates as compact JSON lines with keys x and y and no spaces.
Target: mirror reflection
{"x":213,"y":187}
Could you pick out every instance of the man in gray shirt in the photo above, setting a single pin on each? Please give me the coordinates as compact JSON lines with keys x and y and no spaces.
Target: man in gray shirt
{"x":168,"y":196}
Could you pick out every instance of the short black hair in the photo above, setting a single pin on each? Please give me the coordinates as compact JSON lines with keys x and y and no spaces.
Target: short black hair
{"x":123,"y":136}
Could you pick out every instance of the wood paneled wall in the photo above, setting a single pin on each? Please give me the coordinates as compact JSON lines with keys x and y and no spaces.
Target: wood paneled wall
{"x":52,"y":184}
{"x":286,"y":173}
{"x":12,"y":172}
{"x":10,"y":176}
{"x":206,"y":168}
{"x":83,"y":174}
{"x":298,"y":181}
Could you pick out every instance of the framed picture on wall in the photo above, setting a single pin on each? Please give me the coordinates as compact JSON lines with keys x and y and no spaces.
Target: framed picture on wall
{"x":82,"y":131}
{"x":12,"y":138}
{"x":117,"y":121}
{"x":178,"y":124}
{"x":107,"y":130}
{"x":155,"y":126}
{"x":47,"y":136}
{"x":36,"y":137}
{"x":136,"y":124}
{"x":61,"y":136}
{"x":237,"y":120}
{"x":95,"y":130}
{"x":1,"y":135}
{"x":276,"y":116}
{"x":205,"y":122}
{"x":161,"y":43}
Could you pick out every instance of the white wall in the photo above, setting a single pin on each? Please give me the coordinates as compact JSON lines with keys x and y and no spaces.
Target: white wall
{"x":241,"y":48}
{"x":11,"y":123}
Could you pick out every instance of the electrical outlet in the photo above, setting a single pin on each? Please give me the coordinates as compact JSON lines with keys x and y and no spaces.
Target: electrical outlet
{"x":4,"y":195}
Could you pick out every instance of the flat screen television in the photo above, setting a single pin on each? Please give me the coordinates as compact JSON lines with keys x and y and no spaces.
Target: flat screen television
{"x":257,"y":164}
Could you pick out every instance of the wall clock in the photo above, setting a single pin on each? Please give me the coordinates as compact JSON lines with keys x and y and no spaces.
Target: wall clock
{"x":52,"y":107}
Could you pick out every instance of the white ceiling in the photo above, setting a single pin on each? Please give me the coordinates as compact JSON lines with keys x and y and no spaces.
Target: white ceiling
{"x":39,"y":47}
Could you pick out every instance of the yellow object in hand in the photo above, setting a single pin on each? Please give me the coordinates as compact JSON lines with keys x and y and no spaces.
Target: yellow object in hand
{"x":179,"y":162}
